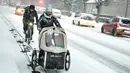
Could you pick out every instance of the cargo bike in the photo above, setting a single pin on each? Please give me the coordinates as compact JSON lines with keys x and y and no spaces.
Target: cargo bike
{"x":53,"y":53}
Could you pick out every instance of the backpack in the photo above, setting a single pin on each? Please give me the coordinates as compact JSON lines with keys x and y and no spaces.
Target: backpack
{"x":27,"y":9}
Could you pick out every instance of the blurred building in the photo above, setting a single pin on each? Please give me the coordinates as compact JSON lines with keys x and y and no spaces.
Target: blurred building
{"x":55,"y":4}
{"x":113,"y":8}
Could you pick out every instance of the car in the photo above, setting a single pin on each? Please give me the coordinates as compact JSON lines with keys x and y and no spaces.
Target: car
{"x":84,"y":19}
{"x":56,"y":13}
{"x":20,"y":10}
{"x":117,"y":26}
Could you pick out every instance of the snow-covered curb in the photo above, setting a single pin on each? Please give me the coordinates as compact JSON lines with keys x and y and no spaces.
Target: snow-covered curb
{"x":7,"y":62}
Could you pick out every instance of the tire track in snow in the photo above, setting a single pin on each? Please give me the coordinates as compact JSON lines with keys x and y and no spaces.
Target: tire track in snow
{"x":113,"y":47}
{"x":106,"y":61}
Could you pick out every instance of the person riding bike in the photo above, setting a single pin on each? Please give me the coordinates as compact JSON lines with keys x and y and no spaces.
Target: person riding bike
{"x":28,"y":16}
{"x":47,"y":19}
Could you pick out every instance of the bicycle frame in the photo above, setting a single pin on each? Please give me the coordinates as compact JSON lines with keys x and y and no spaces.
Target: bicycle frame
{"x":29,"y":31}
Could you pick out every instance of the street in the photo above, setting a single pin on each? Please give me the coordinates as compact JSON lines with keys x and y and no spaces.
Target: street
{"x":91,"y":51}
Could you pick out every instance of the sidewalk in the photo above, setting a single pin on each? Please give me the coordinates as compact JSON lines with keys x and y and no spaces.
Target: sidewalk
{"x":7,"y":50}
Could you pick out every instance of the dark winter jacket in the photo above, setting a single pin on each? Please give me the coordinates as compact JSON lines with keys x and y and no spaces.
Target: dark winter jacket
{"x":48,"y":22}
{"x":30,"y":15}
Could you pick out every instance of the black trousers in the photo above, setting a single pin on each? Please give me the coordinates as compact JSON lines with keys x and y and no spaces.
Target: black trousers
{"x":25,"y":26}
{"x":41,"y":57}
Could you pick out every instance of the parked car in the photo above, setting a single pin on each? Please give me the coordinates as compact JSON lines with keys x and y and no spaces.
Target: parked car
{"x":84,"y":19}
{"x":57,"y":13}
{"x":20,"y":10}
{"x":117,"y":26}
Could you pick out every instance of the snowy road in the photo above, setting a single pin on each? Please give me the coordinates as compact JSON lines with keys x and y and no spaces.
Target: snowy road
{"x":91,"y":51}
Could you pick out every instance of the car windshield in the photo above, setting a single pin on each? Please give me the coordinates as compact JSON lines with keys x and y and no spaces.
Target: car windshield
{"x":54,"y":39}
{"x":126,"y":21}
{"x":87,"y":18}
{"x":77,"y":14}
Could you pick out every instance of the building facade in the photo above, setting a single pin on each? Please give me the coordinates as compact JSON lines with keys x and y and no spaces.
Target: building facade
{"x":113,"y":8}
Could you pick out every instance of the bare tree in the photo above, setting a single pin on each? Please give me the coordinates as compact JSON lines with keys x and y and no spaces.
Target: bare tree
{"x":99,"y":5}
{"x":127,"y":8}
{"x":68,"y":4}
{"x":84,"y":5}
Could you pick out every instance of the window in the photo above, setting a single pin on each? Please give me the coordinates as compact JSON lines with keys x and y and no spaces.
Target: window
{"x":125,"y":21}
{"x":87,"y":18}
{"x":77,"y":14}
{"x":54,"y":39}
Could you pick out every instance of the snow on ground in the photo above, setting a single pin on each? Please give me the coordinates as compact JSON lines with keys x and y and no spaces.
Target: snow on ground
{"x":118,"y":47}
{"x":103,"y":51}
{"x":86,"y":33}
{"x":12,"y":61}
